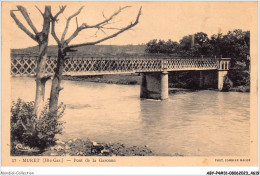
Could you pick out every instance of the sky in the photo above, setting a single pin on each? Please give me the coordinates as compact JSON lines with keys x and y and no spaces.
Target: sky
{"x":159,"y":20}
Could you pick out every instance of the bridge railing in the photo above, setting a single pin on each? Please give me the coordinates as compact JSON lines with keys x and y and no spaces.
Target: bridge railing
{"x":22,"y":65}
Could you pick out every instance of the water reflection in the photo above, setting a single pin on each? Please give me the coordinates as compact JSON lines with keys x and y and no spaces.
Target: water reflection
{"x":201,"y":123}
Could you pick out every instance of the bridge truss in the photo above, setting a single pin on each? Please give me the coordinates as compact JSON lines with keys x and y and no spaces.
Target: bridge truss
{"x":23,"y":65}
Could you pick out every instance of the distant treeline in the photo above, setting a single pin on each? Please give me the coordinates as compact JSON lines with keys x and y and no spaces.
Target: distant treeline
{"x":235,"y":45}
{"x":90,"y":51}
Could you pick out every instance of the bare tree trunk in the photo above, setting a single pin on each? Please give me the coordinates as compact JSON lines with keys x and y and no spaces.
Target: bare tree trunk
{"x":55,"y":88}
{"x":41,"y":79}
{"x":64,"y":46}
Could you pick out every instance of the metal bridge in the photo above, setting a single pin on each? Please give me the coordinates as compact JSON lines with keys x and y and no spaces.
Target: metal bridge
{"x":154,"y":70}
{"x":24,"y":65}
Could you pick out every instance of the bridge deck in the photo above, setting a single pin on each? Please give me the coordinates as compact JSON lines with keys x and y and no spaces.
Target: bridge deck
{"x":76,"y":66}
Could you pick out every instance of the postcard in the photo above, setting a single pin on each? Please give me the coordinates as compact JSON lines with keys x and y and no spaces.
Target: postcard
{"x":126,"y":83}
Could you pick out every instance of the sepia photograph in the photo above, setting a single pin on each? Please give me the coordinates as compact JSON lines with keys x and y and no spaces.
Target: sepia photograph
{"x":129,"y":83}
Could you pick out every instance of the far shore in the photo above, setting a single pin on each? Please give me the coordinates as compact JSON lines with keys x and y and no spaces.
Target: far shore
{"x":135,"y":79}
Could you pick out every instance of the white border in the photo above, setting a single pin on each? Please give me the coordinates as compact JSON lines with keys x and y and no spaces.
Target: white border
{"x":128,"y":170}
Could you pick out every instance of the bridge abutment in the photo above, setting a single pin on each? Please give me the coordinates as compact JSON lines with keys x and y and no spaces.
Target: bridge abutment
{"x":221,"y":75}
{"x":223,"y":68}
{"x":154,"y":85}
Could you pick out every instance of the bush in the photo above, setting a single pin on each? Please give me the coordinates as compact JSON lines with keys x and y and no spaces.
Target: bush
{"x":28,"y":130}
{"x":239,"y":74}
{"x":227,"y":85}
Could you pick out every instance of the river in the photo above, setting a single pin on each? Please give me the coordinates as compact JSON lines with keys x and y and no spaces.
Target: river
{"x":201,"y":123}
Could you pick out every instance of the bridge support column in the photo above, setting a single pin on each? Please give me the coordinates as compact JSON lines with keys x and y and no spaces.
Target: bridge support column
{"x":154,"y":86}
{"x":221,"y":75}
{"x":164,"y":85}
{"x":223,"y":68}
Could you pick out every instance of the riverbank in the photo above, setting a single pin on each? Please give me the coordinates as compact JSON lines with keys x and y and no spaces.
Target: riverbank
{"x":135,"y":79}
{"x":126,"y":79}
{"x":79,"y":147}
{"x":240,"y":89}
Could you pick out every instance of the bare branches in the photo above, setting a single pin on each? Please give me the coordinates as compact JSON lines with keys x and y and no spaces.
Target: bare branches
{"x":98,"y":25}
{"x":138,"y":16}
{"x":39,"y":10}
{"x":53,"y":33}
{"x":113,"y":35}
{"x":62,"y":8}
{"x":27,"y":18}
{"x":101,"y":26}
{"x":68,"y":22}
{"x":112,"y":16}
{"x":54,"y":20}
{"x":21,"y":26}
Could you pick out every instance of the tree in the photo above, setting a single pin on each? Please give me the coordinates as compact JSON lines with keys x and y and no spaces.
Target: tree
{"x":235,"y":44}
{"x":42,"y":39}
{"x":151,"y":46}
{"x":64,"y":44}
{"x":185,"y":43}
{"x":201,"y":46}
{"x":203,"y":43}
{"x":161,"y":46}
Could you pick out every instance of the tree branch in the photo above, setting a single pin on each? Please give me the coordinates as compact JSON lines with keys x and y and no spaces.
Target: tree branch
{"x":54,"y":20}
{"x":77,"y":22}
{"x":106,"y":20}
{"x":62,"y":8}
{"x":27,"y":18}
{"x":22,"y":27}
{"x":67,"y":24}
{"x":39,"y":10}
{"x":53,"y":33}
{"x":98,"y":25}
{"x":46,"y":78}
{"x":113,"y":35}
{"x":113,"y":28}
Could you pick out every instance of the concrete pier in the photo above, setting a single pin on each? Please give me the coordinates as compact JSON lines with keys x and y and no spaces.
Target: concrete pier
{"x":164,"y":85}
{"x":223,"y":68}
{"x":154,"y":85}
{"x":221,"y":75}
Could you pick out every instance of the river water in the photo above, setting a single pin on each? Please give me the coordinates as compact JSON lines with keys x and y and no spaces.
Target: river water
{"x":201,"y":123}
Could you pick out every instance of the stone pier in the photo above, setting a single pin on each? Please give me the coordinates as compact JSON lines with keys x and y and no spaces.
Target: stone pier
{"x":223,"y":68}
{"x":154,"y":85}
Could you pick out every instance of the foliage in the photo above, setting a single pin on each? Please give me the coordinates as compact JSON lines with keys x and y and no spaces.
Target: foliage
{"x":239,"y":74}
{"x":161,"y":46}
{"x":235,"y":45}
{"x":28,"y":130}
{"x":227,"y":85}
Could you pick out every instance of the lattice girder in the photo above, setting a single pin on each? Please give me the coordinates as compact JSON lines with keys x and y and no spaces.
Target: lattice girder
{"x":77,"y":65}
